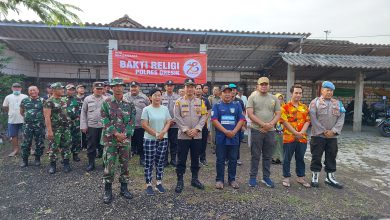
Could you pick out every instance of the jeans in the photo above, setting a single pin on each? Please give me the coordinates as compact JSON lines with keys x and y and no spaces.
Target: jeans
{"x":299,"y":150}
{"x":231,"y":153}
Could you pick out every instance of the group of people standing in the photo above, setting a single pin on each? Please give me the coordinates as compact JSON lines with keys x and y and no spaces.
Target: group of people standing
{"x":161,"y":124}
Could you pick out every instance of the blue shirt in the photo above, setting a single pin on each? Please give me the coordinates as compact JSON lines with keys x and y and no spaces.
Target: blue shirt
{"x":228,"y":114}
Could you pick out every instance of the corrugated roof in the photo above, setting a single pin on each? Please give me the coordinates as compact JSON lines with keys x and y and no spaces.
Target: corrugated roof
{"x":340,"y":61}
{"x":227,"y":50}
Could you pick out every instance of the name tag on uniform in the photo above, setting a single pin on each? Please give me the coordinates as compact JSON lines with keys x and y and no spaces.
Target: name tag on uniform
{"x":227,"y":120}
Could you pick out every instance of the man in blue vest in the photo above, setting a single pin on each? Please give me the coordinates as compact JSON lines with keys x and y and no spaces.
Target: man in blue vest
{"x":227,"y":117}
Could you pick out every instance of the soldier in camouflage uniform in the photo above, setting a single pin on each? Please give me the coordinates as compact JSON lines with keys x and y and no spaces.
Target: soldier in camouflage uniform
{"x":31,"y":108}
{"x":57,"y":122}
{"x":118,"y":117}
{"x":74,"y":108}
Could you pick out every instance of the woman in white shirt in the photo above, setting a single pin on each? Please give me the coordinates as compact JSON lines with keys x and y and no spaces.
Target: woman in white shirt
{"x":156,"y":120}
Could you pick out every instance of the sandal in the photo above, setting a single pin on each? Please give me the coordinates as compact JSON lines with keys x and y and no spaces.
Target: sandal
{"x":303,"y":182}
{"x":286,"y":182}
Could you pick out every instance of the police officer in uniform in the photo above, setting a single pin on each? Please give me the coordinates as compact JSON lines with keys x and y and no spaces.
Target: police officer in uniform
{"x":169,"y":99}
{"x":190,"y":117}
{"x":140,"y":101}
{"x":91,"y":124}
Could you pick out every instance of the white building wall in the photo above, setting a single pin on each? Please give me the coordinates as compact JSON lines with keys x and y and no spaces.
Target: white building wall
{"x":19,"y":65}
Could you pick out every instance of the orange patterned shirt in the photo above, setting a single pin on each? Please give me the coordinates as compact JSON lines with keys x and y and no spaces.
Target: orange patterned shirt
{"x":296,"y":117}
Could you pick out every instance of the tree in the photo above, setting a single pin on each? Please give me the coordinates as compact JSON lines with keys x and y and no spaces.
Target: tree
{"x":51,"y":12}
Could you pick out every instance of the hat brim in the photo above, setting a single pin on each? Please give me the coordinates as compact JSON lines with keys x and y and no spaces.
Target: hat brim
{"x":114,"y":84}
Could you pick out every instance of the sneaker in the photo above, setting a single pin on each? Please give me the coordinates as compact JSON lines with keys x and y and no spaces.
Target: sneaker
{"x":268,"y":182}
{"x":314,"y":179}
{"x":160,"y":188}
{"x":252,"y":182}
{"x":204,"y":162}
{"x":331,"y":180}
{"x":149,"y":191}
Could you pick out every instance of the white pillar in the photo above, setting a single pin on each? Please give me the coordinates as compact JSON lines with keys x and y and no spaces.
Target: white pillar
{"x":112,"y":45}
{"x":358,"y":106}
{"x":290,"y":80}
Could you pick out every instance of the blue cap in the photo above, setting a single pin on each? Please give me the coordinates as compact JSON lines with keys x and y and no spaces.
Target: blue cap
{"x":232,"y":85}
{"x":329,"y":85}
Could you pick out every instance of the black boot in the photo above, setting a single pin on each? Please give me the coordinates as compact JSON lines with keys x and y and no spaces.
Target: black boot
{"x":91,"y":163}
{"x":195,"y":181}
{"x":125,"y":192}
{"x":67,"y":168}
{"x":24,"y":162}
{"x":53,"y":167}
{"x":37,"y":161}
{"x":76,"y":157}
{"x":180,"y":184}
{"x":107,"y":198}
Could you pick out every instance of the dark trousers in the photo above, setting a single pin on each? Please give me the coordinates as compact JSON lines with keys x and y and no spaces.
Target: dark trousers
{"x":183,"y":147}
{"x":93,"y":138}
{"x":231,"y":153}
{"x":172,"y":144}
{"x":205,"y":135}
{"x":137,"y":142}
{"x":289,"y":150}
{"x":262,"y":144}
{"x":84,"y":141}
{"x":317,"y":147}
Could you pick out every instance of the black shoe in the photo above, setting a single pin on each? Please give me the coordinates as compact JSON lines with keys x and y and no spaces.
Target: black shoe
{"x":99,"y":154}
{"x":24,"y":162}
{"x":125,"y":192}
{"x":76,"y":158}
{"x":273,"y":161}
{"x":53,"y":167}
{"x":331,"y":180}
{"x":197,"y":184}
{"x":37,"y":161}
{"x":107,"y":198}
{"x":179,"y":186}
{"x":278,"y":161}
{"x":173,"y":163}
{"x":149,"y":191}
{"x":204,"y":162}
{"x":91,"y":164}
{"x":67,"y":168}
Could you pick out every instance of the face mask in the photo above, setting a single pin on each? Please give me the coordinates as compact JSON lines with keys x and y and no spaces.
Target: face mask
{"x":16,"y":92}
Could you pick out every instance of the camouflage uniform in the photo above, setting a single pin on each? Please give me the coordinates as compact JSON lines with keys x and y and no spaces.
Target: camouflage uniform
{"x":117,"y":116}
{"x":34,"y":126}
{"x":60,"y":121}
{"x":74,"y":109}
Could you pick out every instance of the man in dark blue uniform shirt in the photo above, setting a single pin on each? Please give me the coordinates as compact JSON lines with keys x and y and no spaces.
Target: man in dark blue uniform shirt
{"x":227,"y":117}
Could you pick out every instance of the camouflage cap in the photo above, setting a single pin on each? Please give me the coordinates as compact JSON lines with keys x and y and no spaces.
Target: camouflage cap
{"x":16,"y":85}
{"x":70,"y":86}
{"x":117,"y":81}
{"x":57,"y":85}
{"x":80,"y":85}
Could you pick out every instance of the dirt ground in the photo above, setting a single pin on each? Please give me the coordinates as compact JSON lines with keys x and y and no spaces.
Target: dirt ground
{"x":31,"y":193}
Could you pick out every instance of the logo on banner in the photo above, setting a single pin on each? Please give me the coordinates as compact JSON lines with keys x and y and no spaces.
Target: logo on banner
{"x":192,"y":68}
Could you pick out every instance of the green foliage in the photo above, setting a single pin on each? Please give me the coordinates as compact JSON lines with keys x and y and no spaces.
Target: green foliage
{"x":51,"y":12}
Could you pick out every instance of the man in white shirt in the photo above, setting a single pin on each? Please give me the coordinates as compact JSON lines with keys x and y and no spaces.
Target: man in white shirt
{"x":11,"y":105}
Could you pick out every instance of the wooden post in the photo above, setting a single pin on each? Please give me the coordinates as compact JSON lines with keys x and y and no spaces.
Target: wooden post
{"x":358,"y":106}
{"x":290,"y":80}
{"x":112,"y":45}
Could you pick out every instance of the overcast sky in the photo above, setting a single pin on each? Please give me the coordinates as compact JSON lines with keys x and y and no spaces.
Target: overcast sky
{"x":346,"y":19}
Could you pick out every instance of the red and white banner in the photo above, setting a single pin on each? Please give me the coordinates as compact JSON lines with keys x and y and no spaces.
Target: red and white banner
{"x":145,"y":67}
